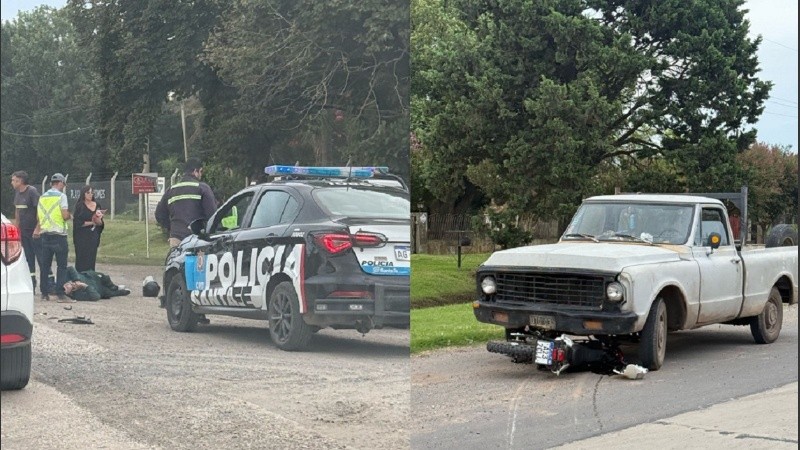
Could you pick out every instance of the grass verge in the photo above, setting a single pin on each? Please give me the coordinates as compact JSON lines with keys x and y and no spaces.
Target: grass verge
{"x":441,"y":302}
{"x":436,"y":280}
{"x":125,"y":242}
{"x":449,"y":326}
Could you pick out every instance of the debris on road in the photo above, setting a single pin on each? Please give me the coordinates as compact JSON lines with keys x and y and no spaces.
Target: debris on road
{"x":81,"y":320}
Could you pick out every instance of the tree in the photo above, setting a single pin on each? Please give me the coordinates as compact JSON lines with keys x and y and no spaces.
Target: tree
{"x":326,"y":79}
{"x":47,"y":92}
{"x":142,"y":52}
{"x":771,"y":177}
{"x":547,"y":94}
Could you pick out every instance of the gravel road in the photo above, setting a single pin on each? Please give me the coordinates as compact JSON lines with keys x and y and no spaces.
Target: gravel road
{"x":129,"y":382}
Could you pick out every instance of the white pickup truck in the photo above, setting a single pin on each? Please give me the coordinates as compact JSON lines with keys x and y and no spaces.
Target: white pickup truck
{"x":633,"y":267}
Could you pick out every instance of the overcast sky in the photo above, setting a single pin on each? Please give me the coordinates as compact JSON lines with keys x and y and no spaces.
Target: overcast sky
{"x":774,"y":20}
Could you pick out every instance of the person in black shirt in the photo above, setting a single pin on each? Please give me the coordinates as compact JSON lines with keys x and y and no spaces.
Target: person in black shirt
{"x":26,"y":200}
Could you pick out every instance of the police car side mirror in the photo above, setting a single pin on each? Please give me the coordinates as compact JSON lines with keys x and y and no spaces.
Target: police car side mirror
{"x":198,"y":227}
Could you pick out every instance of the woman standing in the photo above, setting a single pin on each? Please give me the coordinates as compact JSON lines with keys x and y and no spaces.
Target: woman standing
{"x":87,"y":225}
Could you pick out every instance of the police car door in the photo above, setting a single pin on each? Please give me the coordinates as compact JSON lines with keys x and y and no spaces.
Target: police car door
{"x":220,"y":263}
{"x":266,"y":247}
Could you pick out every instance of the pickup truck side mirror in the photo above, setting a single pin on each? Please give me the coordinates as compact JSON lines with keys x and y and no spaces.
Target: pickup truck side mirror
{"x":714,"y":239}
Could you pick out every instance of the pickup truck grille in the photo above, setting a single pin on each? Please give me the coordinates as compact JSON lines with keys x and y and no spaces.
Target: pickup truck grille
{"x":549,"y":288}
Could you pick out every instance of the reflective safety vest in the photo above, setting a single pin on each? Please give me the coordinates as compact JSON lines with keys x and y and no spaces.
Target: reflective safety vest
{"x":49,"y":214}
{"x":231,"y":221}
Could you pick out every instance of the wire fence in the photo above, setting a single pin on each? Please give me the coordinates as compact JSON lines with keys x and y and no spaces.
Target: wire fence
{"x":444,"y":233}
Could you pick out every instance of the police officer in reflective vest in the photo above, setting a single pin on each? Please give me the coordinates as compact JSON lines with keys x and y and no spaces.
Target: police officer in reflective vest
{"x":53,"y":214}
{"x":186,"y":201}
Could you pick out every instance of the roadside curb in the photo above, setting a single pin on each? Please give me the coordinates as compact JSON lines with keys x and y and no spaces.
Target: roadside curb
{"x":767,"y":420}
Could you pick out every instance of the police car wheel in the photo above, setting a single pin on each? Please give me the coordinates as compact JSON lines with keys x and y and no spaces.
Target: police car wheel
{"x":286,"y":326}
{"x":179,"y":308}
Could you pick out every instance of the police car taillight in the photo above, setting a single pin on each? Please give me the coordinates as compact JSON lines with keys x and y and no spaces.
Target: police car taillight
{"x":338,"y":242}
{"x":369,"y":240}
{"x":10,"y":243}
{"x":334,"y":242}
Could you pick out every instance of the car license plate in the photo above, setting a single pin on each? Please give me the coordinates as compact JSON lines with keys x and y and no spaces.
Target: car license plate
{"x":402,"y":252}
{"x":544,"y":352}
{"x":543,"y":322}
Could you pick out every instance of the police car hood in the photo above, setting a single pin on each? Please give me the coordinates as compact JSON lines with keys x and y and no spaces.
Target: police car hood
{"x":582,"y":255}
{"x":391,"y":259}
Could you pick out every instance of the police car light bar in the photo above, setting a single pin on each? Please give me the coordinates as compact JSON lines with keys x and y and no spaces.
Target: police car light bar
{"x":332,"y":172}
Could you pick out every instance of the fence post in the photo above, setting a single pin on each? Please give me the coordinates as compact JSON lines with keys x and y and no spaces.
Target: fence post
{"x":113,"y":194}
{"x":172,"y":178}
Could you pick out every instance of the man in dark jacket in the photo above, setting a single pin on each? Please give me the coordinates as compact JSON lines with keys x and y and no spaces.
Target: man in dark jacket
{"x":186,"y":201}
{"x":90,"y":285}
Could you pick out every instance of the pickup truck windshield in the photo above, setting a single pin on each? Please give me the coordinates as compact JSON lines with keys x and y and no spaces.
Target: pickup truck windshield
{"x":631,"y":222}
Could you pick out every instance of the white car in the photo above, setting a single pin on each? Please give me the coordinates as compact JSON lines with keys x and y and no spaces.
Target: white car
{"x":16,"y":317}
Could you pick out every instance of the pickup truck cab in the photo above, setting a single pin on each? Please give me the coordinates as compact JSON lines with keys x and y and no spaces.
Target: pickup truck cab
{"x":635,"y":267}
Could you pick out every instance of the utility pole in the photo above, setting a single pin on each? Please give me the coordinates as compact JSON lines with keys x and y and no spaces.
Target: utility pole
{"x":183,"y":126}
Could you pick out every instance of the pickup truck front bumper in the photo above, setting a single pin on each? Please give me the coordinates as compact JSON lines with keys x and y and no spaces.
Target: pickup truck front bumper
{"x":570,"y":321}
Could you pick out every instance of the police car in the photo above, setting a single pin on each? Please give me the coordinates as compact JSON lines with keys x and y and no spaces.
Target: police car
{"x":315,"y":247}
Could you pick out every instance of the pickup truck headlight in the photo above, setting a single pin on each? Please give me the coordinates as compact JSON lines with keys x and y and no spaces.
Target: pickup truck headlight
{"x":614,"y":292}
{"x":488,"y":285}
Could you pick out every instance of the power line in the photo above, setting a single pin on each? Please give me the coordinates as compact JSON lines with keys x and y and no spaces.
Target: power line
{"x":782,"y":99}
{"x":46,"y":135}
{"x":782,"y":104}
{"x":776,"y":114}
{"x":778,"y":43}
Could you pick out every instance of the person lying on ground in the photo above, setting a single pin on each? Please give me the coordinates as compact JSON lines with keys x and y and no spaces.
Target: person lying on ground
{"x":91,"y":285}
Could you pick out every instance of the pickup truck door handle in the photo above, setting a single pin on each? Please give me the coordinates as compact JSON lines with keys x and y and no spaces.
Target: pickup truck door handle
{"x":735,"y":260}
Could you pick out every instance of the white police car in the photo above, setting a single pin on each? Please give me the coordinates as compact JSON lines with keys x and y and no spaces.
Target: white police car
{"x":16,"y":314}
{"x":316,"y":247}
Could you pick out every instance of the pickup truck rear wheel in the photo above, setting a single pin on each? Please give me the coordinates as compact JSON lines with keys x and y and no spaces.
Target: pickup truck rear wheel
{"x":766,"y":326}
{"x":286,"y":326}
{"x":653,"y":343}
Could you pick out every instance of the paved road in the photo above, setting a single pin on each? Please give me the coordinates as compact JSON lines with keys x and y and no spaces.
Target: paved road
{"x":129,"y":382}
{"x":468,"y":398}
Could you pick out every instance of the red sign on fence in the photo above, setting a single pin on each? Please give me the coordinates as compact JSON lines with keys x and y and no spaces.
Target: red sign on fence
{"x":144,"y":183}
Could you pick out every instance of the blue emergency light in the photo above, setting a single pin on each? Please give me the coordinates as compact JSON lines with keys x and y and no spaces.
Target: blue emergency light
{"x":330,"y":172}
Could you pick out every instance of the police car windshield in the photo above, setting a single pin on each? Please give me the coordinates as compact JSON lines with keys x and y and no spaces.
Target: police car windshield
{"x":361,"y":202}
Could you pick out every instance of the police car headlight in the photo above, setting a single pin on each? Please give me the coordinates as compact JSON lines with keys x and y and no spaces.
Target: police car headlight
{"x":488,"y":285}
{"x":614,"y":291}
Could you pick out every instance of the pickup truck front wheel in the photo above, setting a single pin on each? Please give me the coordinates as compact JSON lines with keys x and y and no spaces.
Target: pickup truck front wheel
{"x":766,"y":326}
{"x":653,"y":343}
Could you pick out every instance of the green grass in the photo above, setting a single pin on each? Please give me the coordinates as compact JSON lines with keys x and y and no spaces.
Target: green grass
{"x":441,"y":302}
{"x":449,"y":326}
{"x":436,"y":280}
{"x":124,"y":242}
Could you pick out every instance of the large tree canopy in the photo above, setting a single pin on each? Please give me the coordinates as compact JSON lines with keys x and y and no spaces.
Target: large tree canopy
{"x":278,"y":81}
{"x":532,"y":101}
{"x":329,"y":77}
{"x":48,"y":97}
{"x":142,"y":51}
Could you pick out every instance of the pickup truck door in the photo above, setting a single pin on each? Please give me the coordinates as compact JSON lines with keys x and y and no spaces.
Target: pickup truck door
{"x":721,"y":272}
